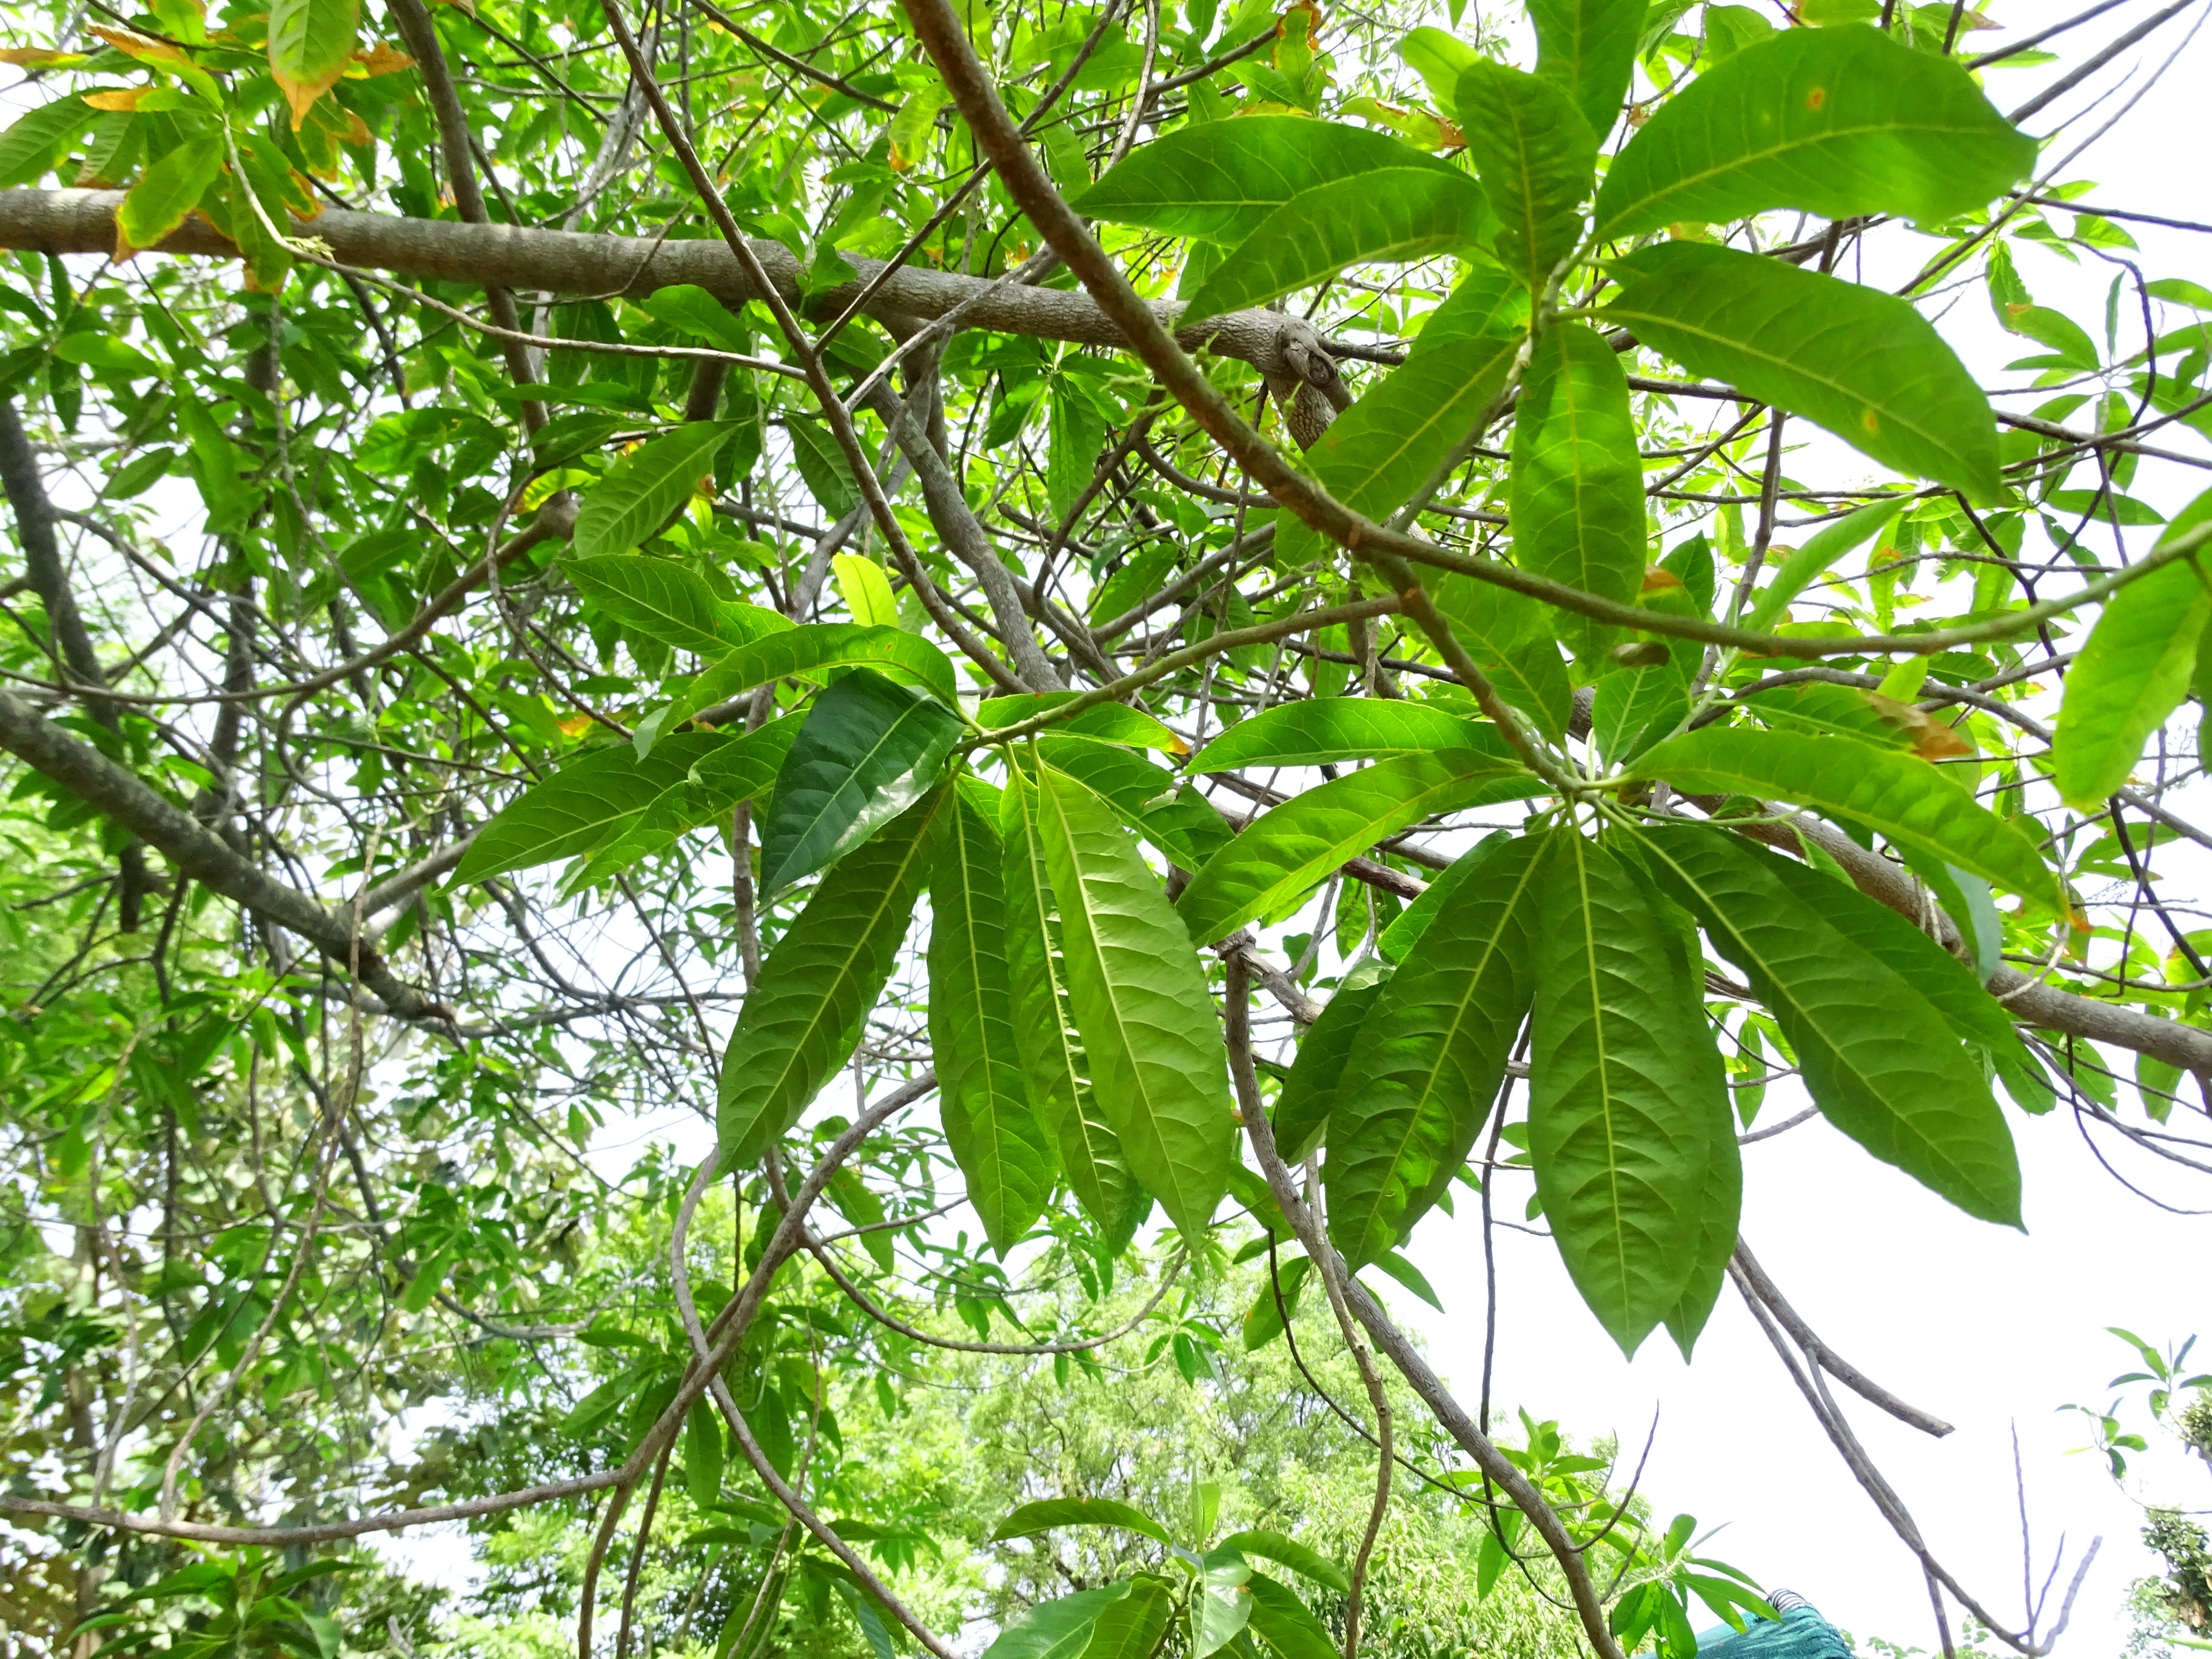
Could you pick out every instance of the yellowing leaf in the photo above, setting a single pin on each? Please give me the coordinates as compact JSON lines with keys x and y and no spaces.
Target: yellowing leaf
{"x":381,"y":59}
{"x":40,"y":58}
{"x":310,"y":44}
{"x":120,"y":98}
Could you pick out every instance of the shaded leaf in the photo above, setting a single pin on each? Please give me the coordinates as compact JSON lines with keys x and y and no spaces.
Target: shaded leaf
{"x":1588,"y":48}
{"x":1308,"y":1093}
{"x":1536,"y":156}
{"x":646,"y":488}
{"x":664,"y":601}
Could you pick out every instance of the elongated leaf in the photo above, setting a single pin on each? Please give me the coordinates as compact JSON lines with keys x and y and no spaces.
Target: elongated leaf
{"x":702,"y":1453}
{"x":170,"y":188}
{"x":998,"y":1142}
{"x":1220,"y":179}
{"x":600,"y":798}
{"x":1042,"y":1516}
{"x":741,"y":767}
{"x":1862,"y":363}
{"x":1509,"y":637}
{"x":1439,"y":60}
{"x":1378,"y":453}
{"x":1285,"y":1622}
{"x":1900,"y":795}
{"x":1132,"y":1627}
{"x":1578,"y":480}
{"x":1402,"y":213}
{"x":1400,"y":936}
{"x":1536,"y":156}
{"x":867,"y":751}
{"x":34,"y":145}
{"x":310,"y":43}
{"x":2133,"y":671}
{"x":822,"y":466}
{"x":1822,"y":549}
{"x":1294,"y":847}
{"x":1836,"y":122}
{"x":1182,"y":823}
{"x":1936,"y":976}
{"x":664,"y":601}
{"x":1054,"y":1630}
{"x":1588,"y":48}
{"x":1221,"y":1603}
{"x":1109,"y":722}
{"x":645,"y":489}
{"x":1300,"y":1558}
{"x":800,"y":1025}
{"x":805,"y":652}
{"x":1621,"y":1126}
{"x":1881,"y":1065}
{"x":867,"y":590}
{"x":1263,"y":1320}
{"x":1141,"y":1004}
{"x":1057,"y":1077}
{"x":1309,"y":1095}
{"x":1423,"y":1072}
{"x":1329,"y":729}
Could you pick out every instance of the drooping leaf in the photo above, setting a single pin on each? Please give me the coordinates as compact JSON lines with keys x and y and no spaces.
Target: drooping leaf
{"x":1054,"y":1630}
{"x":1402,"y":213}
{"x":664,"y":601}
{"x":982,"y":1099}
{"x":1132,"y":1626}
{"x":1588,"y":48}
{"x":807,"y":651}
{"x":1179,"y":821}
{"x":1882,"y":1066}
{"x":1535,"y":155}
{"x":1378,"y":453}
{"x":1862,"y":363}
{"x":2133,"y":671}
{"x":1219,"y":180}
{"x":1308,"y":1093}
{"x":739,"y":768}
{"x":1324,"y":730}
{"x":1278,"y":1296}
{"x":1042,"y":1516}
{"x":1423,"y":1071}
{"x":822,"y":465}
{"x":1621,"y":1125}
{"x":1057,"y":1077}
{"x":867,"y":751}
{"x":1220,"y":1603}
{"x":1294,"y":846}
{"x":645,"y":489}
{"x":169,"y":189}
{"x":310,"y":44}
{"x":1822,"y":549}
{"x":802,"y":1021}
{"x":1578,"y":480}
{"x":1399,"y":938}
{"x":702,"y":1453}
{"x":1285,"y":1623}
{"x":1835,"y":122}
{"x":1140,"y":1002}
{"x":1076,"y":433}
{"x":1439,"y":60}
{"x":1510,"y":638}
{"x":1302,"y":1559}
{"x":1899,"y":794}
{"x":866,"y":590}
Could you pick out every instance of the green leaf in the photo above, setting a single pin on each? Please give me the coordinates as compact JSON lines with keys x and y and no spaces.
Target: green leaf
{"x":2133,"y":671}
{"x":1822,"y":549}
{"x":1439,"y":60}
{"x":822,"y":465}
{"x":997,"y":1140}
{"x":1306,"y":1561}
{"x":801,"y":1022}
{"x":1220,"y":180}
{"x":171,"y":189}
{"x":1536,"y":156}
{"x":599,"y":798}
{"x":1075,"y":436}
{"x":1179,"y":821}
{"x":1033,"y":1518}
{"x":1132,"y":1626}
{"x":809,"y":651}
{"x":1308,"y":1093}
{"x":1141,"y":1004}
{"x":1054,"y":1630}
{"x":1378,"y":453}
{"x":1325,"y":730}
{"x":1588,"y":48}
{"x":1881,"y":1065}
{"x":310,"y":44}
{"x":1423,"y":1072}
{"x":1220,"y":1603}
{"x":689,"y":309}
{"x":1899,"y":794}
{"x":866,"y":590}
{"x":35,"y":143}
{"x":1835,"y":122}
{"x":702,"y":1453}
{"x":1862,"y":363}
{"x":1263,"y":1320}
{"x":1936,"y":976}
{"x":1635,"y":708}
{"x":646,"y":488}
{"x":1109,"y":722}
{"x":1056,"y":1074}
{"x":1624,"y":1114}
{"x":739,"y":767}
{"x":1285,"y":1623}
{"x":867,"y":751}
{"x":1400,"y":936}
{"x":1577,"y":486}
{"x":1400,"y":214}
{"x":1294,"y":846}
{"x":664,"y":601}
{"x":1509,"y":637}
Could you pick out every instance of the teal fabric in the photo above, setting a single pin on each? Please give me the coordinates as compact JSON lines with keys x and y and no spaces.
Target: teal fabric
{"x":1802,"y":1634}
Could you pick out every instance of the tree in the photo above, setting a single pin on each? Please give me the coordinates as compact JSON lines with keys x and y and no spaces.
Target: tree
{"x":608,"y":520}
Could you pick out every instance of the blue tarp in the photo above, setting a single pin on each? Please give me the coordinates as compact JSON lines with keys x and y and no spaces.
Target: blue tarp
{"x":1802,"y":1634}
